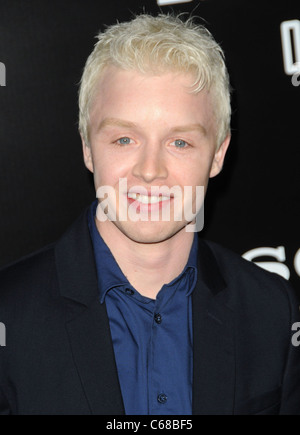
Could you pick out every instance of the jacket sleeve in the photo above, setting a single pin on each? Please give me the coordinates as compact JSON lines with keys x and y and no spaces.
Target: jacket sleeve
{"x":290,"y":400}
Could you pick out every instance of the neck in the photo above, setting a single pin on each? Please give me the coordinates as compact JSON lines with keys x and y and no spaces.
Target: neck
{"x":147,"y":266}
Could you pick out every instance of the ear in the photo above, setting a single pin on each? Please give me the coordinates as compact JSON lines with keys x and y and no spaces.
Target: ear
{"x":219,"y":157}
{"x":87,"y":155}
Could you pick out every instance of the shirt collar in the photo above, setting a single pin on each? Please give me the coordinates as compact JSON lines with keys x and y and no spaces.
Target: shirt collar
{"x":109,"y":273}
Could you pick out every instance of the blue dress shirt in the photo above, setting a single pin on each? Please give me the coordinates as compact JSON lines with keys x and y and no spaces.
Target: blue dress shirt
{"x":152,"y":339}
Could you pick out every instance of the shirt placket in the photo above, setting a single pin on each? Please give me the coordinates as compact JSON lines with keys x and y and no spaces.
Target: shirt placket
{"x":157,"y":395}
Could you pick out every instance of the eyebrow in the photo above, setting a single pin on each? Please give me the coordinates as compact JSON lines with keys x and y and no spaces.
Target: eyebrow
{"x":189,"y":127}
{"x":116,"y":122}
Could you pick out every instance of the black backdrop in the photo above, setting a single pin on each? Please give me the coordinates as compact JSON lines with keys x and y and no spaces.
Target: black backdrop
{"x":44,"y":185}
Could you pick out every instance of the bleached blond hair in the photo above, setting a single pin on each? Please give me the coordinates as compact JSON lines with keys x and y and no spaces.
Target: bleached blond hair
{"x":156,"y":45}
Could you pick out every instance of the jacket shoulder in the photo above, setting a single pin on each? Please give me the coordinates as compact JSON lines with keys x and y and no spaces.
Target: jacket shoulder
{"x":24,"y":279}
{"x":248,"y":279}
{"x":233,"y":264}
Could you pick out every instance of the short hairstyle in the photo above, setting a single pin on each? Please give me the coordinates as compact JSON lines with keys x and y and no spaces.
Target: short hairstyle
{"x":155,"y":45}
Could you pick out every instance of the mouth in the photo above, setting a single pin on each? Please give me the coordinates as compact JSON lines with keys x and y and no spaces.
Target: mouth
{"x":148,"y":203}
{"x":147,"y":199}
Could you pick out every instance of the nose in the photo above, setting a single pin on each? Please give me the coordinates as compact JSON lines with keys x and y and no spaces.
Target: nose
{"x":150,"y":164}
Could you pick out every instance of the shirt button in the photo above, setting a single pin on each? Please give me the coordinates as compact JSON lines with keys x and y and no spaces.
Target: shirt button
{"x":129,"y":291}
{"x":158,"y":318}
{"x":162,"y":398}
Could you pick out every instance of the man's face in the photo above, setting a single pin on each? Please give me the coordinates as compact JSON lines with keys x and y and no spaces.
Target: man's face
{"x":154,"y":133}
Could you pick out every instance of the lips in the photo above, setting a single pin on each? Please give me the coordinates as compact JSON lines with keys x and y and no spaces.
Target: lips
{"x":147,"y":199}
{"x":151,"y":202}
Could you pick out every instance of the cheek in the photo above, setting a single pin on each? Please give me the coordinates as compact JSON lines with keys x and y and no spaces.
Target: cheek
{"x":196,"y":173}
{"x":105,"y":177}
{"x":103,"y":173}
{"x":110,"y":160}
{"x":105,"y":167}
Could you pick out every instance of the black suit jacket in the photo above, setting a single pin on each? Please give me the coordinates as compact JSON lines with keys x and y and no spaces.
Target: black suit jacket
{"x":59,"y":355}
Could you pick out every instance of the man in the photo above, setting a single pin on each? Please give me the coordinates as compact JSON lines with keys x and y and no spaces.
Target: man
{"x":129,"y":312}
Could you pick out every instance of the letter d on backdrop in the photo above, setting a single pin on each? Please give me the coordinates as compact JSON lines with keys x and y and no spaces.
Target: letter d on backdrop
{"x":290,"y":37}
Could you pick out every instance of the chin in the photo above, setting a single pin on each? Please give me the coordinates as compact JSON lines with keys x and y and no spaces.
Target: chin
{"x":147,"y":232}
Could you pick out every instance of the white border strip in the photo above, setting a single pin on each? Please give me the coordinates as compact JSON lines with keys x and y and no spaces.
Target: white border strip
{"x":171,"y":2}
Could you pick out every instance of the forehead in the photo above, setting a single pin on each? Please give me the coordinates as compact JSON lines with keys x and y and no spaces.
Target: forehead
{"x":135,"y":96}
{"x":114,"y":78}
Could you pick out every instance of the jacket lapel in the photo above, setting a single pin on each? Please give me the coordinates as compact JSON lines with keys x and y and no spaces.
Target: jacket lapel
{"x":87,"y":321}
{"x":213,"y":328}
{"x":94,"y":358}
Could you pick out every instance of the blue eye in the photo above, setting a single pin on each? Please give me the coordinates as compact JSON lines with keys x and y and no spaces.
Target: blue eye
{"x":179,"y":143}
{"x":124,"y":141}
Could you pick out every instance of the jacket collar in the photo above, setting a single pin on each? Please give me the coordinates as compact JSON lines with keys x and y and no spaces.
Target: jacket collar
{"x":75,"y":263}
